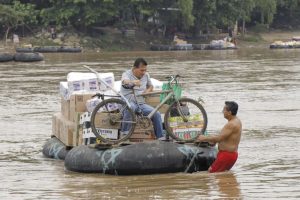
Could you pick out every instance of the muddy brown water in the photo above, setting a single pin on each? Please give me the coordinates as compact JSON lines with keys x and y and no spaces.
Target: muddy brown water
{"x":265,"y":83}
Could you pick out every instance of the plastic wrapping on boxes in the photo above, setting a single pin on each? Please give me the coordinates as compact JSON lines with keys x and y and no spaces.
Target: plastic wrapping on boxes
{"x":78,"y":81}
{"x":64,"y":90}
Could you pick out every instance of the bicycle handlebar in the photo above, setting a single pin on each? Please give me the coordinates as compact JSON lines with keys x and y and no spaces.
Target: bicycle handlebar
{"x":173,"y":78}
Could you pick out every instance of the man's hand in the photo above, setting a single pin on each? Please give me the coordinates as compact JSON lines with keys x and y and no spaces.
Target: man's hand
{"x":201,"y":138}
{"x":136,"y":82}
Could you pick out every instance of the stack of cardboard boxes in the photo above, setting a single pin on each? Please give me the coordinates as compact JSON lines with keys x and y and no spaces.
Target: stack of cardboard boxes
{"x":69,"y":125}
{"x":74,"y":93}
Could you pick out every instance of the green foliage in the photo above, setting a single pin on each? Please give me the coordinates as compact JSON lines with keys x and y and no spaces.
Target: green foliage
{"x":185,"y":15}
{"x":17,"y":14}
{"x":186,"y":8}
{"x":267,"y":9}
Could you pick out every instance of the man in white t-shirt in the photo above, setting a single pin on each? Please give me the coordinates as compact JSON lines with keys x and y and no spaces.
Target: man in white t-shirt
{"x":138,"y":77}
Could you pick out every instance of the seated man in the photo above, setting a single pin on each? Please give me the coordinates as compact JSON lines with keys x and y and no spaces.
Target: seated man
{"x":228,"y":140}
{"x":137,"y":76}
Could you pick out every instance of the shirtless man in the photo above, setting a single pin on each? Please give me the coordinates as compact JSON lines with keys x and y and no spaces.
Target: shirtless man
{"x":228,"y":140}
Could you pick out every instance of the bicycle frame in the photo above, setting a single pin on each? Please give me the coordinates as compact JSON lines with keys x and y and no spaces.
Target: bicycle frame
{"x":150,"y":115}
{"x":171,"y":93}
{"x":100,"y":80}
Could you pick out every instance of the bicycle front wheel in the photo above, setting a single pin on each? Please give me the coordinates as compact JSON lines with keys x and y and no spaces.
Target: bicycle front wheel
{"x":185,"y":120}
{"x":112,"y":121}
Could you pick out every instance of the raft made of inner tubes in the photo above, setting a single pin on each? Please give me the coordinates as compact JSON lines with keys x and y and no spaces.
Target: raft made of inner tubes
{"x":50,"y":49}
{"x":284,"y":46}
{"x":216,"y":47}
{"x":189,"y":47}
{"x":181,"y":47}
{"x":140,"y":158}
{"x":28,"y":57}
{"x":297,"y":38}
{"x":54,"y":148}
{"x":5,"y":57}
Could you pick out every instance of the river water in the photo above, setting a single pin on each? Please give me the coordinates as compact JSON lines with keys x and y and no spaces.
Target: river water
{"x":265,"y":83}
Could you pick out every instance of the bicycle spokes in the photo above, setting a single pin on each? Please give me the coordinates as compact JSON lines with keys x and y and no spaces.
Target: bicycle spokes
{"x":112,"y":121}
{"x":186,"y":120}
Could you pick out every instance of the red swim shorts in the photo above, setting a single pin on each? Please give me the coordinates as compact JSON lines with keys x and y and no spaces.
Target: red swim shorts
{"x":224,"y":161}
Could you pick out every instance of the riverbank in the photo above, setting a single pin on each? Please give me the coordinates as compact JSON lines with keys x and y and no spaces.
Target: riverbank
{"x":114,"y":40}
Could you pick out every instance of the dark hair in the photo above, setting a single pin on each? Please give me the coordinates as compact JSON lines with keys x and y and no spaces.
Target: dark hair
{"x":139,"y":61}
{"x":232,"y":107}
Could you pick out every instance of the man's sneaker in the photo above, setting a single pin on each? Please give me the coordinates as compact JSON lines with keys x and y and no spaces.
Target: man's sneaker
{"x":163,"y":138}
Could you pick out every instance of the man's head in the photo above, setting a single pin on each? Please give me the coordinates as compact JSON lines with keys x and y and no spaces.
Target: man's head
{"x":139,"y":67}
{"x":230,"y":109}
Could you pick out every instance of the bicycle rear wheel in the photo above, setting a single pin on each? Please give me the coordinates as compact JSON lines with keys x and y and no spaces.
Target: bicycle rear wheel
{"x":112,"y":121}
{"x":185,"y":120}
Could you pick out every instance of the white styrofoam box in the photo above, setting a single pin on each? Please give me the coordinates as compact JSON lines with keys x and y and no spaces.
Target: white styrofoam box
{"x":106,"y":133}
{"x":88,"y":133}
{"x":92,"y":103}
{"x":78,"y":81}
{"x":64,"y":90}
{"x":117,"y":86}
{"x":85,"y":117}
{"x":157,"y":85}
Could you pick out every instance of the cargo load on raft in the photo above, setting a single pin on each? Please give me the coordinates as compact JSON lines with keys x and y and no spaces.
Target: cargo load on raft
{"x":292,"y":44}
{"x":73,"y":140}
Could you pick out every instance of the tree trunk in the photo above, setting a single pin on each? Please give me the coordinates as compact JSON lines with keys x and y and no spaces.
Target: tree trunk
{"x":262,"y":18}
{"x":6,"y":34}
{"x":243,"y":30}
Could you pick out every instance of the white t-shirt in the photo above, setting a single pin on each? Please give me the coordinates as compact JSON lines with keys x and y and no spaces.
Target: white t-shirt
{"x":145,"y":83}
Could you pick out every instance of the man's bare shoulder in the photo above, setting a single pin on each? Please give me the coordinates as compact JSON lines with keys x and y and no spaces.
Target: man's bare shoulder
{"x":234,"y":123}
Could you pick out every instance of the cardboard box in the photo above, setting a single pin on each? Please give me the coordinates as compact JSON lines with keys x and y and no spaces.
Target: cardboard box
{"x":65,"y":108}
{"x":106,"y":133}
{"x":154,"y":101}
{"x":102,"y":121}
{"x":67,"y":132}
{"x":56,"y":124}
{"x":78,"y":104}
{"x":80,"y":138}
{"x":142,"y":135}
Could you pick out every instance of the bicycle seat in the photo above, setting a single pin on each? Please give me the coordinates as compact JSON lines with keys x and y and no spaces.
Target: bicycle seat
{"x":128,"y":86}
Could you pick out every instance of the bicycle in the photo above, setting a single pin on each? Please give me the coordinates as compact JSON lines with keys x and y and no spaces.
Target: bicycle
{"x":184,"y":120}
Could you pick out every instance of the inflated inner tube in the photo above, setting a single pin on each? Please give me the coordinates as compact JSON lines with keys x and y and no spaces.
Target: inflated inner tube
{"x":49,"y":49}
{"x":181,"y":47}
{"x":140,"y":158}
{"x":24,"y":49}
{"x":5,"y":57}
{"x":28,"y":57}
{"x":54,"y":148}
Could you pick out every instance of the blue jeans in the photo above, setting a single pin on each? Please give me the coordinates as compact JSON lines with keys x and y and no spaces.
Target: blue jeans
{"x":146,"y":109}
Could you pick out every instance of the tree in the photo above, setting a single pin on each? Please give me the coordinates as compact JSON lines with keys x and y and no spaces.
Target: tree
{"x":15,"y":15}
{"x":267,"y":9}
{"x":186,"y":9}
{"x":204,"y":12}
{"x":247,"y":7}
